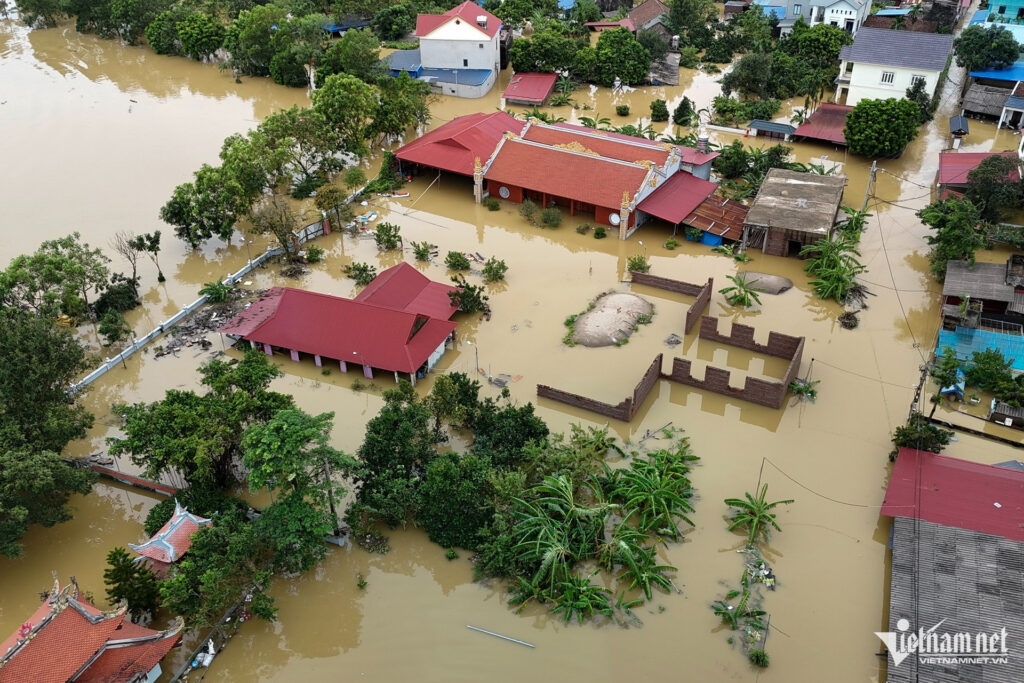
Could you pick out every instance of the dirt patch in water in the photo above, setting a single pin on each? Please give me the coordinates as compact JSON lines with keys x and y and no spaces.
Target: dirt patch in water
{"x":613,"y":318}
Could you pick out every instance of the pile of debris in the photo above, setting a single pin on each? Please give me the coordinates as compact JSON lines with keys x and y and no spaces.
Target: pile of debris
{"x":192,"y":332}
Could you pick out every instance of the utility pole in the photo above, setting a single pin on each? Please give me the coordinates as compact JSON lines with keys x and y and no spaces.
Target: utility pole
{"x":871,"y":182}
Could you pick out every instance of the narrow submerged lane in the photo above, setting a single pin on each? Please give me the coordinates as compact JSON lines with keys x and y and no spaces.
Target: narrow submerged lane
{"x":81,"y":155}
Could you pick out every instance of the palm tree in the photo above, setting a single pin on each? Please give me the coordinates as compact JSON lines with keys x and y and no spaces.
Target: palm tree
{"x":741,"y":293}
{"x":854,"y":223}
{"x":755,"y":514}
{"x":599,"y":122}
{"x":657,"y":498}
{"x":564,"y":85}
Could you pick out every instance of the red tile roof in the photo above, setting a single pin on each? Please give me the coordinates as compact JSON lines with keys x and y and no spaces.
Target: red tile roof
{"x":826,"y":123}
{"x":677,"y":197}
{"x":954,"y":166}
{"x":955,"y":493}
{"x":467,"y":11}
{"x":647,"y":12}
{"x":625,"y":23}
{"x":67,"y":632}
{"x":623,"y":148}
{"x":174,"y":538}
{"x":457,"y":144}
{"x":688,"y":154}
{"x":254,"y":316}
{"x":719,"y":216}
{"x":530,"y":88}
{"x":352,"y":331}
{"x":572,"y":175}
{"x":404,"y":288}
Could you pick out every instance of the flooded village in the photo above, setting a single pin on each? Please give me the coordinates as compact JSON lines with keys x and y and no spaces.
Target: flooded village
{"x":568,"y":253}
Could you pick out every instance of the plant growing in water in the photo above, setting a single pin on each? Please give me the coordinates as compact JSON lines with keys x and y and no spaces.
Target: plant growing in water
{"x":421,"y":250}
{"x":315,"y":254}
{"x":494,"y":270}
{"x":600,"y":232}
{"x":758,"y":658}
{"x":638,"y":263}
{"x":217,"y":292}
{"x":671,"y":243}
{"x":805,"y":388}
{"x":492,"y":203}
{"x":387,"y":236}
{"x":740,"y":293}
{"x":755,"y":514}
{"x":362,"y":273}
{"x":456,"y":260}
{"x":467,"y":298}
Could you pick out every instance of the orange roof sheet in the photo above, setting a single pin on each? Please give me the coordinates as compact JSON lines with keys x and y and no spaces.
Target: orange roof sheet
{"x":562,"y":173}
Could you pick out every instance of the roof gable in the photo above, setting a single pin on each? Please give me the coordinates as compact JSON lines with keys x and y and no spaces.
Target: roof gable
{"x":645,"y":14}
{"x":455,"y":145}
{"x":174,"y":538}
{"x":404,"y":288}
{"x":466,"y":13}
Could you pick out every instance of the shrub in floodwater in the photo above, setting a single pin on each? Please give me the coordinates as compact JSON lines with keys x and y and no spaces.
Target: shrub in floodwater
{"x":740,"y":293}
{"x":451,"y":554}
{"x":360,"y":581}
{"x":583,"y":229}
{"x":494,"y":270}
{"x":659,"y":111}
{"x":492,"y":204}
{"x":754,"y":514}
{"x":638,"y":264}
{"x":671,"y":243}
{"x":528,"y":210}
{"x":466,"y":297}
{"x":362,"y":273}
{"x":758,"y":658}
{"x":387,"y":236}
{"x":315,"y":254}
{"x":600,"y":233}
{"x":217,"y":292}
{"x":693,"y":234}
{"x":421,"y":250}
{"x":456,"y":260}
{"x":551,"y":217}
{"x":622,"y":109}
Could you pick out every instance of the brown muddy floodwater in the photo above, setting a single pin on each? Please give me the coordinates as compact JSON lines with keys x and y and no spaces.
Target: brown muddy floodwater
{"x":80,"y":155}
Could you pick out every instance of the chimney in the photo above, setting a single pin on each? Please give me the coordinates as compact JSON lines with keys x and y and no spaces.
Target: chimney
{"x":702,"y":142}
{"x":481,"y":21}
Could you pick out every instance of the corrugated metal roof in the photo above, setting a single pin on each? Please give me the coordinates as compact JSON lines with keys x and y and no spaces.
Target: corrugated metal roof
{"x":985,"y":281}
{"x":531,"y":88}
{"x":954,"y":167}
{"x":677,"y":197}
{"x":899,"y":48}
{"x":719,"y":216}
{"x":802,"y":202}
{"x":826,"y":123}
{"x":1012,"y":73}
{"x":956,"y":493}
{"x":404,"y":288}
{"x":772,"y":127}
{"x":404,"y":60}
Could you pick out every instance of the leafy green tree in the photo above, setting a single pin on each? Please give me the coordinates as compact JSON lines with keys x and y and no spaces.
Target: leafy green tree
{"x":620,"y":56}
{"x":149,"y":243}
{"x":584,"y":65}
{"x":56,"y":279}
{"x":453,"y":399}
{"x":584,"y":11}
{"x":657,"y":46}
{"x":978,"y":48}
{"x":113,"y":327}
{"x":921,"y":434}
{"x":683,"y":114}
{"x":349,"y":105}
{"x":403,"y":102}
{"x":454,"y":501}
{"x":494,"y":270}
{"x":988,"y":369}
{"x":659,"y":111}
{"x":357,"y":54}
{"x":41,"y":13}
{"x":755,"y":514}
{"x":756,"y":29}
{"x":545,"y":51}
{"x":881,"y":128}
{"x":834,"y":265}
{"x":819,"y":44}
{"x":854,"y":224}
{"x":387,"y":236}
{"x":751,"y":77}
{"x":162,"y":32}
{"x":309,"y":142}
{"x":200,"y":34}
{"x":393,"y":22}
{"x":959,"y":232}
{"x":919,"y":96}
{"x":35,"y":487}
{"x":206,"y":208}
{"x":294,"y":528}
{"x":132,"y":582}
{"x":40,"y":361}
{"x":946,"y":368}
{"x":200,"y":435}
{"x":503,"y":432}
{"x":685,"y":15}
{"x":995,"y":187}
{"x":250,"y":39}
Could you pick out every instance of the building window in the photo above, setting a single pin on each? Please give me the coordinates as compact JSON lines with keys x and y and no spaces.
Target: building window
{"x":465,"y":62}
{"x":915,"y":79}
{"x":1002,"y":9}
{"x":481,"y":46}
{"x":888,"y":76}
{"x":796,"y":10}
{"x":1020,"y":13}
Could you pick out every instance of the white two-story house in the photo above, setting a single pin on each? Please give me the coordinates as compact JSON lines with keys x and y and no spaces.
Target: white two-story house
{"x":883,"y":63}
{"x":848,"y":15}
{"x":459,"y":50}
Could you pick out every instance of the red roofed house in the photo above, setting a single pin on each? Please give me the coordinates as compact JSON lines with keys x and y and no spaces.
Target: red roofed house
{"x":609,"y":24}
{"x":398,"y":323}
{"x":622,"y":180}
{"x":460,"y":49}
{"x":954,"y":168}
{"x":68,"y":639}
{"x":530,"y":88}
{"x":170,"y":543}
{"x":827,"y":124}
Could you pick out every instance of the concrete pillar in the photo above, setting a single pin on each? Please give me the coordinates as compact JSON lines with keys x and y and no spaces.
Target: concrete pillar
{"x":341,"y":364}
{"x":396,"y":376}
{"x":412,"y":378}
{"x":624,"y":216}
{"x":316,"y":359}
{"x":478,"y":181}
{"x":295,"y":355}
{"x":268,"y":349}
{"x":367,"y":372}
{"x":252,"y":344}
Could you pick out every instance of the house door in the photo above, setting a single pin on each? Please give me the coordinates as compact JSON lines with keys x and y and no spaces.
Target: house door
{"x":849,"y":25}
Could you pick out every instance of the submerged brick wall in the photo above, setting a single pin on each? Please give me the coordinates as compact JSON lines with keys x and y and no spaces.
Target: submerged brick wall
{"x":624,"y":411}
{"x":779,"y":345}
{"x":666,"y":283}
{"x":700,"y":304}
{"x":763,"y":392}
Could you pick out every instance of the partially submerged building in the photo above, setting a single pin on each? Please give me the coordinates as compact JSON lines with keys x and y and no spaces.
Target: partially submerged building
{"x":826,"y":124}
{"x":981,"y":294}
{"x":791,"y":210}
{"x":171,"y":542}
{"x":399,"y":323}
{"x":882,"y":63}
{"x":620,"y":180}
{"x":957,"y":567}
{"x":530,"y":88}
{"x":459,"y":52}
{"x":69,"y":639}
{"x":955,"y":167}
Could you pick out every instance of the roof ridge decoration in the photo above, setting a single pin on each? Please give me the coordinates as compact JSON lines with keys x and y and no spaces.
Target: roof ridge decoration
{"x":576,"y":146}
{"x":594,"y":132}
{"x":563,"y":148}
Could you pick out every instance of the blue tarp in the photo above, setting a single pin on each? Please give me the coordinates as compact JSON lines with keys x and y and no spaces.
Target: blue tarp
{"x":892,"y":12}
{"x":956,"y":389}
{"x":566,"y":4}
{"x":981,"y":16}
{"x":458,"y":76}
{"x":1015,"y":72}
{"x":966,"y":341}
{"x":711,"y":240}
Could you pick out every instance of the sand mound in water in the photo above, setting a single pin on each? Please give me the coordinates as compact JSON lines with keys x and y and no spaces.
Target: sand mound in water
{"x":769,"y":284}
{"x":612,"y":319}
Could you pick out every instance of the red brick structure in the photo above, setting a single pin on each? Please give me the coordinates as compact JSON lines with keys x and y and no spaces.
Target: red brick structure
{"x":624,"y":410}
{"x":701,"y":292}
{"x":792,"y":210}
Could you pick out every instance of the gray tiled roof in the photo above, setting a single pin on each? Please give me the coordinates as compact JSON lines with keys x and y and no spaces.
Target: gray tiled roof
{"x":985,"y":281}
{"x":908,"y":49}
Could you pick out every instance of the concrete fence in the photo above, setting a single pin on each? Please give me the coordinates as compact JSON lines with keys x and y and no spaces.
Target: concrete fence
{"x":701,"y":292}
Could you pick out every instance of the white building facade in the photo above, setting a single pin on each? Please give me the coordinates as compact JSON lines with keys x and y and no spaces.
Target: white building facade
{"x":883,"y":63}
{"x":848,"y":15}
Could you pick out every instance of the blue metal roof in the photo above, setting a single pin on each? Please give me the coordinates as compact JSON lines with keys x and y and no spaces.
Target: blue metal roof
{"x":980,"y":17}
{"x":1015,"y":72}
{"x":1014,"y":103}
{"x":892,"y":12}
{"x":965,"y":342}
{"x":772,"y":127}
{"x":566,"y":4}
{"x":403,"y":60}
{"x":457,"y":76}
{"x":770,"y":7}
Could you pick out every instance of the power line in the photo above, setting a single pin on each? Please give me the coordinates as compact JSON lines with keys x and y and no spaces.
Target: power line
{"x":857,"y":374}
{"x":908,"y":180}
{"x":766,"y":459}
{"x":888,"y":263}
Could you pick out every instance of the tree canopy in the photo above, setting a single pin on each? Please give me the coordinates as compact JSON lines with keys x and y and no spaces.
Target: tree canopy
{"x":995,"y":186}
{"x":978,"y":48}
{"x":959,"y":232}
{"x":620,"y":56}
{"x":881,"y":128}
{"x":56,"y":279}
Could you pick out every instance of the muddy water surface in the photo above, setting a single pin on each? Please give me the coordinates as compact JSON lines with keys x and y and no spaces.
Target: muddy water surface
{"x":67,"y":101}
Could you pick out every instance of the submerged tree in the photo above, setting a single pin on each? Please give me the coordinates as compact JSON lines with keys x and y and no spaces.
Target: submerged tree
{"x":132,"y":582}
{"x":959,"y":232}
{"x":754,"y":513}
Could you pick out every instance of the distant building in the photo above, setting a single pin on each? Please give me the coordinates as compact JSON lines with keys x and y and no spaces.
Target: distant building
{"x":955,"y":167}
{"x":957,"y":543}
{"x":792,"y":210}
{"x":882,"y":64}
{"x":398,"y":323}
{"x":848,"y":15}
{"x":990,"y":291}
{"x":459,"y":52}
{"x":530,"y":88}
{"x":170,"y":544}
{"x":651,"y":16}
{"x":69,"y":639}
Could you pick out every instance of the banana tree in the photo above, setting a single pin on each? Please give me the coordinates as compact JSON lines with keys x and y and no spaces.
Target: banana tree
{"x":755,"y":514}
{"x":740,"y":293}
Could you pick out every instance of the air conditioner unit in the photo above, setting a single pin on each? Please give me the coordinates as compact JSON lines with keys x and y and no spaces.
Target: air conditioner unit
{"x":675,"y":42}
